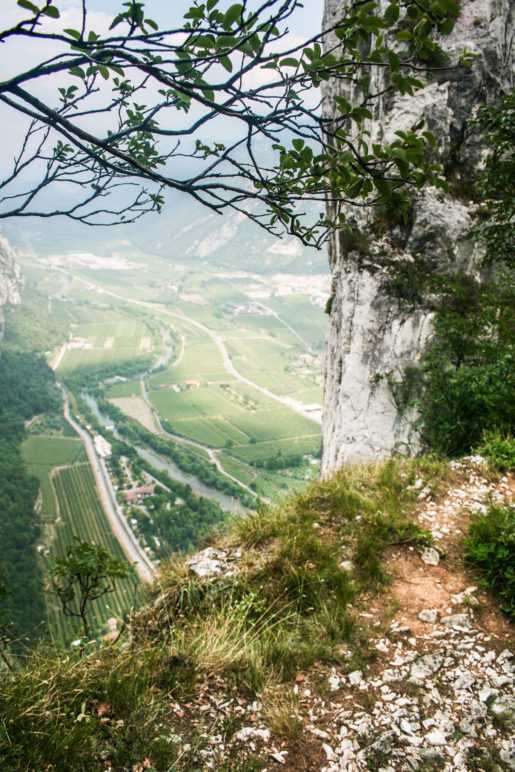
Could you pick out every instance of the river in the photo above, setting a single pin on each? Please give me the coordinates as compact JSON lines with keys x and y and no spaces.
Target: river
{"x":164,"y":464}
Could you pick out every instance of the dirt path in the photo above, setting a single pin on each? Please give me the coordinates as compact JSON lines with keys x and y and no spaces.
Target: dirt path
{"x":441,"y":694}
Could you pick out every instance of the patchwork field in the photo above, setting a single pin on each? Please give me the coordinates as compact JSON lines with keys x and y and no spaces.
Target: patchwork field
{"x":137,"y":409}
{"x":70,"y":507}
{"x":267,"y":329}
{"x":104,"y":337}
{"x":42,"y":455}
{"x":81,"y":514}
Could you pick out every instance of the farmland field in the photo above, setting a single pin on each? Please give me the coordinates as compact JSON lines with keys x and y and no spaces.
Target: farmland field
{"x":227,"y":328}
{"x":81,"y":514}
{"x":136,"y":408}
{"x":104,"y":337}
{"x":42,"y":454}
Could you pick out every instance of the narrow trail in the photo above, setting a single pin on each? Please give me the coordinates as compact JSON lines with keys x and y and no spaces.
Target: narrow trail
{"x":435,"y":687}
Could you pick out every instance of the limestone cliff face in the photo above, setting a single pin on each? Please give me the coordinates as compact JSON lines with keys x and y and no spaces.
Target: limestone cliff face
{"x":377,"y":324}
{"x":10,"y":281}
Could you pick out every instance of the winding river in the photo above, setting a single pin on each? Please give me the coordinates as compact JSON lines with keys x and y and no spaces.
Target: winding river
{"x":164,"y":464}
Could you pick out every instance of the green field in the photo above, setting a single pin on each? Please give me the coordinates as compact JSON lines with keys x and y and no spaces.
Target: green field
{"x":278,"y":349}
{"x":128,"y":389}
{"x":71,"y":507}
{"x":208,"y":415}
{"x":52,"y":451}
{"x":81,"y":514}
{"x":107,"y":337}
{"x":42,"y":454}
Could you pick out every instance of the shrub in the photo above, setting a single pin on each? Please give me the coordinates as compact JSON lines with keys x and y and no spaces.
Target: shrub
{"x":490,"y":547}
{"x":465,"y":382}
{"x":498,"y":449}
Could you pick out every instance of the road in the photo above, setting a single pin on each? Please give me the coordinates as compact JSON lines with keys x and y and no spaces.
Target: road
{"x":293,"y":404}
{"x":182,"y":441}
{"x":121,"y":529}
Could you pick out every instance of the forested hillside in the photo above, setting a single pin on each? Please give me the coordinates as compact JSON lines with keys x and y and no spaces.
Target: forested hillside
{"x":27,"y":388}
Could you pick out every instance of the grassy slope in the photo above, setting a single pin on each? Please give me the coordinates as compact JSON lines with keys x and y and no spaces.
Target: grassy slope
{"x":247,"y":634}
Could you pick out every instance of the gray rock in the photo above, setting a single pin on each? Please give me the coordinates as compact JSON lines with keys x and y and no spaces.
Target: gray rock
{"x":503,"y":709}
{"x":428,"y":615}
{"x":10,"y":279}
{"x":457,"y":621}
{"x":436,"y":737}
{"x":426,"y":666}
{"x":376,"y":327}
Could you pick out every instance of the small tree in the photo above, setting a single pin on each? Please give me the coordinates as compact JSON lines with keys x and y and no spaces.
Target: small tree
{"x":84,"y":574}
{"x":496,"y":185}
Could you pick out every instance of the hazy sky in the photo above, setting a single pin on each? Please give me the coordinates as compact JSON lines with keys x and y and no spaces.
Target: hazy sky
{"x":18,"y":55}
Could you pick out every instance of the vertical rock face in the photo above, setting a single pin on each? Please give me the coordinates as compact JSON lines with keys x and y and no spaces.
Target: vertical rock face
{"x":10,"y":281}
{"x":378,"y":324}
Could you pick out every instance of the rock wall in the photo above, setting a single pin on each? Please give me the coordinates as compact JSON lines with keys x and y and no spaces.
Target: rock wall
{"x":10,"y":281}
{"x":378,"y":324}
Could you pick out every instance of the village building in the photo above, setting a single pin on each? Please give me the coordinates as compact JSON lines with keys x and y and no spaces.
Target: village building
{"x":102,"y":446}
{"x":139,"y":494}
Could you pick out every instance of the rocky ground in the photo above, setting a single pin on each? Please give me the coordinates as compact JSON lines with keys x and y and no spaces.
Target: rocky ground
{"x":437,"y":687}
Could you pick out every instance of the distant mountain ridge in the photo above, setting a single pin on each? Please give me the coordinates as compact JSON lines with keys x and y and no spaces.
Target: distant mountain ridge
{"x":185,"y":231}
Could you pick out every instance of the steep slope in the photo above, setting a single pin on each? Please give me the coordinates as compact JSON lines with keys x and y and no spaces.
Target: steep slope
{"x":378,"y":324}
{"x":284,"y":646}
{"x":10,"y":280}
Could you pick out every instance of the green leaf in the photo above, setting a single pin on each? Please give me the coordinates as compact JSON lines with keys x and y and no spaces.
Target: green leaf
{"x":404,"y":34}
{"x":226,"y":63}
{"x":298,"y":144}
{"x":231,"y":15}
{"x":391,"y":14}
{"x":29,"y":6}
{"x":78,"y":72}
{"x":289,"y":62}
{"x":393,"y":61}
{"x":73,"y":33}
{"x":446,"y":26}
{"x":52,"y":11}
{"x":383,"y":187}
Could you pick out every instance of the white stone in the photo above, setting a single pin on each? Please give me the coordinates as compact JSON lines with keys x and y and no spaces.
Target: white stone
{"x":436,"y":737}
{"x":428,"y":615}
{"x":251,"y":733}
{"x":457,"y":621}
{"x":430,"y":556}
{"x":355,"y":677}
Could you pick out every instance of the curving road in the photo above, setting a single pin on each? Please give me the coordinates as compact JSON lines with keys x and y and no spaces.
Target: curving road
{"x":119,"y":525}
{"x":293,"y":404}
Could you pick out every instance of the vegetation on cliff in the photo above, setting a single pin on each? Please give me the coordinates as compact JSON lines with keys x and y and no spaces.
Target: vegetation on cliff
{"x":27,"y":388}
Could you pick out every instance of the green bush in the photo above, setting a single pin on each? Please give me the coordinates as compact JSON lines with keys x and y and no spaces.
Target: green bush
{"x":465,"y":382}
{"x":490,"y":547}
{"x":498,"y":449}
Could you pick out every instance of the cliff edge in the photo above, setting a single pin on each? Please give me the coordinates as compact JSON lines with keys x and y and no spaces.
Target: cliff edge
{"x":10,"y":279}
{"x":378,"y":324}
